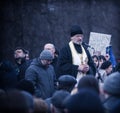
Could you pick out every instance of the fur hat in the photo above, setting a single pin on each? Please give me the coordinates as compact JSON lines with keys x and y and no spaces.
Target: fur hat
{"x":46,"y":55}
{"x":75,"y":29}
{"x":112,"y":84}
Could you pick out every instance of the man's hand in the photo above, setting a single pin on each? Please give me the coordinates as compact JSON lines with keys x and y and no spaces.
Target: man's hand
{"x":84,"y":68}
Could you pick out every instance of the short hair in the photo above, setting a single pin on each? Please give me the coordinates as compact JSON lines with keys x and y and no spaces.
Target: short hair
{"x":24,"y":50}
{"x":88,"y":81}
{"x":105,"y":64}
{"x":102,"y":57}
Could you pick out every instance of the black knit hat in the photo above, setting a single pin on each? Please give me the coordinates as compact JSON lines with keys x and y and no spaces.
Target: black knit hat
{"x":75,"y":29}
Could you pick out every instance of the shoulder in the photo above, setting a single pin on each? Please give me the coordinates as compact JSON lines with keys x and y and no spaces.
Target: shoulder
{"x":51,"y":67}
{"x":34,"y":65}
{"x":65,"y":49}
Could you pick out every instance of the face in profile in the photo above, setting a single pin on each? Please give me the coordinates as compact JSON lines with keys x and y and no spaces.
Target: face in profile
{"x":96,"y":62}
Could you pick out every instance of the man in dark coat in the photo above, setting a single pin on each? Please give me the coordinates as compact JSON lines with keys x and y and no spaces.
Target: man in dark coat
{"x":8,"y":76}
{"x":21,"y":63}
{"x":42,"y":75}
{"x":75,"y":58}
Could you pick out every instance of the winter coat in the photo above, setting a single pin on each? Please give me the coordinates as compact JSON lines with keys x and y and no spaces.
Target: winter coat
{"x":65,"y":65}
{"x":42,"y":77}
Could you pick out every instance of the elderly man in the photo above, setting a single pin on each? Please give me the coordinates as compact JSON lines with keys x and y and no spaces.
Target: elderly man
{"x":74,"y":58}
{"x":42,"y":75}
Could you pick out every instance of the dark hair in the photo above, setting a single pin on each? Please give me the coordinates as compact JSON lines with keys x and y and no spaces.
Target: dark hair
{"x":24,"y":50}
{"x":105,"y":65}
{"x":101,"y":57}
{"x":85,"y":101}
{"x":13,"y":102}
{"x":26,"y":85}
{"x":88,"y":81}
{"x":58,"y":99}
{"x":95,"y":56}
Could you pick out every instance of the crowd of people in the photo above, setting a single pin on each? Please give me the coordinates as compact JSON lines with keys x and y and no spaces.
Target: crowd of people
{"x":70,"y":80}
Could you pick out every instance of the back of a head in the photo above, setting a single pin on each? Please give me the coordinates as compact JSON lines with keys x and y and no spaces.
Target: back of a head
{"x":112,"y":84}
{"x":85,"y":101}
{"x":58,"y":98}
{"x":40,"y":106}
{"x":66,"y":82}
{"x":29,"y":101}
{"x":15,"y":102}
{"x":105,"y":65}
{"x":88,"y":82}
{"x":26,"y":85}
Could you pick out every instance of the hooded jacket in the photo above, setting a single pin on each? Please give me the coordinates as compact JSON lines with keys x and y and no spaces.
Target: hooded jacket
{"x":42,"y":77}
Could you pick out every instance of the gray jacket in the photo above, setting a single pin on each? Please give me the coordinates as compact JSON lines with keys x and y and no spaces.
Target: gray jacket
{"x":42,"y":77}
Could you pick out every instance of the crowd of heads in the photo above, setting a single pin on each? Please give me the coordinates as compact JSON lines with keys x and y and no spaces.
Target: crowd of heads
{"x":92,"y":94}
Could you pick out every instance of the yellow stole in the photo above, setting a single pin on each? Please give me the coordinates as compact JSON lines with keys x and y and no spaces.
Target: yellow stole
{"x":78,"y":59}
